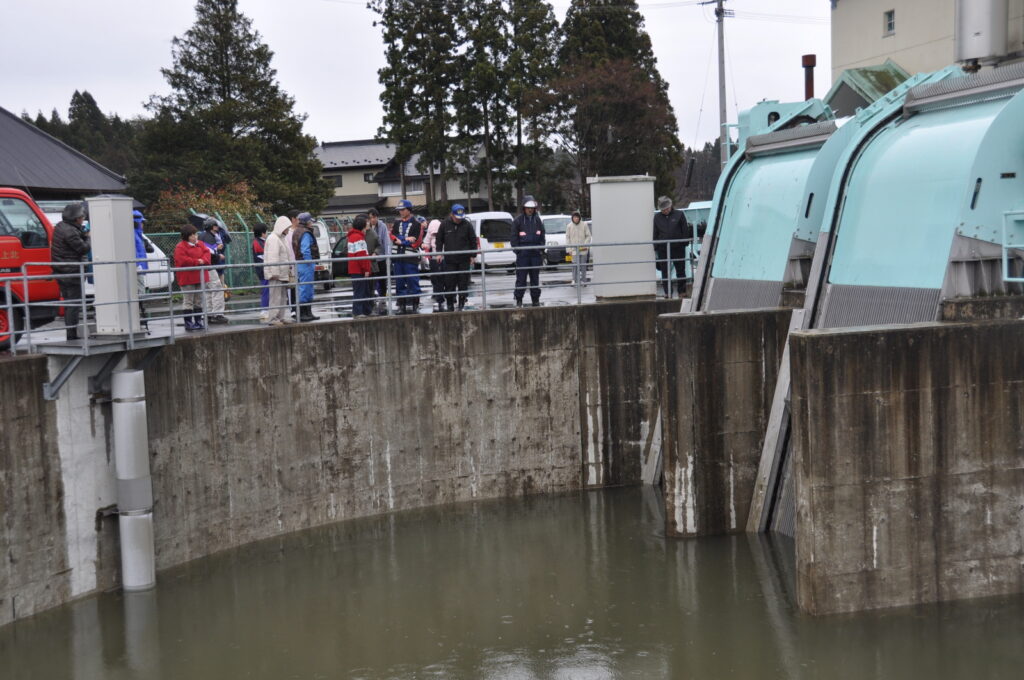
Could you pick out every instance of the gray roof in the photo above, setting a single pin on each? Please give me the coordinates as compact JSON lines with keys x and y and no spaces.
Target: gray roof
{"x":355,"y":154}
{"x":356,"y":201}
{"x":32,"y":159}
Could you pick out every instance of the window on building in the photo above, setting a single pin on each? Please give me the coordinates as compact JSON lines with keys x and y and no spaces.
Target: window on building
{"x":338,"y":180}
{"x":368,"y":177}
{"x":412,"y":186}
{"x":889,"y":22}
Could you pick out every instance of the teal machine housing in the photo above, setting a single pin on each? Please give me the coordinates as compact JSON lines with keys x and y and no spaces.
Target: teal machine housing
{"x":918,"y":216}
{"x":751,"y":250}
{"x":927,"y":192}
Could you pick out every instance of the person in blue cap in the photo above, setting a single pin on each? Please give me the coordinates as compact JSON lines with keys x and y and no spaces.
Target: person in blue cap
{"x":528,"y":230}
{"x":142,"y":248}
{"x":455,"y":234}
{"x":406,"y":236}
{"x":306,"y":253}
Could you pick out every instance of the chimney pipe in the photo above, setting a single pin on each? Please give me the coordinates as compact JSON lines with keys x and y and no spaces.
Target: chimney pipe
{"x":809,"y":62}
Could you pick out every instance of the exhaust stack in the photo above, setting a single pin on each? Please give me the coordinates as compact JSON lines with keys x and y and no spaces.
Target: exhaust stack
{"x":809,"y":61}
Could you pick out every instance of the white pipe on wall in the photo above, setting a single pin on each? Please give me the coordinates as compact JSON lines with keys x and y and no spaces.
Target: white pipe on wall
{"x":134,"y":484}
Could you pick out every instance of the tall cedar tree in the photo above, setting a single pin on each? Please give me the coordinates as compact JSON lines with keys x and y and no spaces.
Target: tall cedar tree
{"x":531,"y":70}
{"x":227,"y":120}
{"x":417,"y":79}
{"x":483,"y":117}
{"x":108,"y":140}
{"x":616,"y":118}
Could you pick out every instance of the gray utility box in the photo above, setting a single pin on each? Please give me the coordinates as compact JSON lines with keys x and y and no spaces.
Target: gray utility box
{"x":114,"y":271}
{"x":623,"y":212}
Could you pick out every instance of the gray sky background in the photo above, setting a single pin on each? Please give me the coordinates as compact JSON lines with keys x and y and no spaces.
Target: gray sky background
{"x":327,"y":53}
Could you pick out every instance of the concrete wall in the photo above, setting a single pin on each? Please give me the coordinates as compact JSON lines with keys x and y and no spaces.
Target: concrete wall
{"x":33,"y":563}
{"x":56,"y":479}
{"x":719,"y":373}
{"x":619,"y":400}
{"x":256,"y":433}
{"x":910,"y":460}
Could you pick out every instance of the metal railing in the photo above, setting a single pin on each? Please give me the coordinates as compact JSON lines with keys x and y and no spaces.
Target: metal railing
{"x":566,"y":281}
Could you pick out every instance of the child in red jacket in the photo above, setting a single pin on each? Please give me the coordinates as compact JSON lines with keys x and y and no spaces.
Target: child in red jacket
{"x":191,"y":253}
{"x":359,"y":270}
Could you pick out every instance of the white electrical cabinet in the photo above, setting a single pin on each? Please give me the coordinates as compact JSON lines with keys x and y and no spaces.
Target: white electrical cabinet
{"x":622,"y":210}
{"x":116,"y":287}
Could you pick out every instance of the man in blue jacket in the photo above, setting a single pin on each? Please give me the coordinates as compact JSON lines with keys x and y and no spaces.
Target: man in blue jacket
{"x":528,"y":230}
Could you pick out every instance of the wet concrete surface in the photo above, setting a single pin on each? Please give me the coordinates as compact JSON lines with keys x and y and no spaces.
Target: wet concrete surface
{"x":581,"y":585}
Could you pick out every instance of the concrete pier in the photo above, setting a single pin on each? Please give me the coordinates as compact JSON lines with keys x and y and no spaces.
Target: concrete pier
{"x":909,"y":451}
{"x":717,"y":385}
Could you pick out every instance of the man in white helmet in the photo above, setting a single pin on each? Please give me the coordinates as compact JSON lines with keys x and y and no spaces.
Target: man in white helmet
{"x":528,"y":230}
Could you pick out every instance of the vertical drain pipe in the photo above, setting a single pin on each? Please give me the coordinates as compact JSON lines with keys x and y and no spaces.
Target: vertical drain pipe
{"x":134,"y":484}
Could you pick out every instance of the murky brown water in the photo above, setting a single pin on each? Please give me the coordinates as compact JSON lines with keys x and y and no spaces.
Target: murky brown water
{"x":575,"y":586}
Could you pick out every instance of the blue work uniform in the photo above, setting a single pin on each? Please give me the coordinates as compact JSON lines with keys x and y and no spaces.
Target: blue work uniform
{"x":528,"y":230}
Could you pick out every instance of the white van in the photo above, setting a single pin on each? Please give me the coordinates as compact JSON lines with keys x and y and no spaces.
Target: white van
{"x":495,"y":232}
{"x":554,"y":228}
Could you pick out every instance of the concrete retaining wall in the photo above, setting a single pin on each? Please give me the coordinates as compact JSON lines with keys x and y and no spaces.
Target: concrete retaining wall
{"x":33,"y":560}
{"x":909,"y":453}
{"x":256,"y":433}
{"x":718,"y":381}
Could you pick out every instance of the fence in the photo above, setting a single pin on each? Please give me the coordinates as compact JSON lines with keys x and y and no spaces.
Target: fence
{"x":163,"y":311}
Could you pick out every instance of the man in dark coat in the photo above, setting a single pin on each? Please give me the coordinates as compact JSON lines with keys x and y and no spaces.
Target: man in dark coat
{"x":456,"y":233}
{"x":528,"y":230}
{"x":71,"y":245}
{"x":670,"y":225}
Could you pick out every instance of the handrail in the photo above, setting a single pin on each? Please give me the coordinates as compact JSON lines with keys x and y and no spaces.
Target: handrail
{"x":487,"y":285}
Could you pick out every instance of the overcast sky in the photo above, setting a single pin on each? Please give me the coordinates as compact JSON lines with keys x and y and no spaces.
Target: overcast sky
{"x":327,"y":53}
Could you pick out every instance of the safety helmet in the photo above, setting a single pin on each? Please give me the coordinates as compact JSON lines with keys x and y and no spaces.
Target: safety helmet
{"x":529,"y":202}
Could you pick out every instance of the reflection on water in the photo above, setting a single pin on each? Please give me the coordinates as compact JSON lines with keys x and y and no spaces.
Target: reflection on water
{"x":575,"y":586}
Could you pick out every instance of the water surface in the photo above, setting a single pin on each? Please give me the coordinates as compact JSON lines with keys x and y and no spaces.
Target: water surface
{"x":574,"y":586}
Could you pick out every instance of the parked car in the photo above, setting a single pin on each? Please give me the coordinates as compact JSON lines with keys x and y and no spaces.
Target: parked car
{"x":25,"y":237}
{"x":157,"y":277}
{"x":495,"y":232}
{"x":554,"y":227}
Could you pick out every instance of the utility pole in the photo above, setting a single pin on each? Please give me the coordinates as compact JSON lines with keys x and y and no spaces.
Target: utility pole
{"x":721,"y":13}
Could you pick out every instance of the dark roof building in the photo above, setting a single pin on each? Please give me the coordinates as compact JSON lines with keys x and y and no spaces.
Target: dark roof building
{"x":47,"y":168}
{"x":360,"y":153}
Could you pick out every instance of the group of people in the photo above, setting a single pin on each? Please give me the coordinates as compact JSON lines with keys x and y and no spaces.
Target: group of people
{"x":285,"y":260}
{"x":407,"y":241}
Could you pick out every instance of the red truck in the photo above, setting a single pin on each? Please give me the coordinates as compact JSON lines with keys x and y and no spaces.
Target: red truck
{"x":25,"y":237}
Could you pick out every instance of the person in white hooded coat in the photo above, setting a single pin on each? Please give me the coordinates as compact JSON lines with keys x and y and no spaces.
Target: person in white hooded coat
{"x":279,"y":270}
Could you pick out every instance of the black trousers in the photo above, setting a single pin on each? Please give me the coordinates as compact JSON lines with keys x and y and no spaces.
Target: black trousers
{"x":667,"y":261}
{"x":71,"y":291}
{"x":528,"y":265}
{"x":438,"y":280}
{"x":456,"y":281}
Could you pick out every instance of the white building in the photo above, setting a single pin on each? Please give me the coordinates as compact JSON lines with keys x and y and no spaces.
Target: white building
{"x":918,"y":35}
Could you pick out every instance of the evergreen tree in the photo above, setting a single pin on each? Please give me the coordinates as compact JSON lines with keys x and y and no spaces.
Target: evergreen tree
{"x":482,"y":104}
{"x":108,"y":140}
{"x":227,"y":119}
{"x":615,"y":117}
{"x":417,"y":79}
{"x":531,"y":69}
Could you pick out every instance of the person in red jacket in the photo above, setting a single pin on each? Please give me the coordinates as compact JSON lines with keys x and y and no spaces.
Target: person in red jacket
{"x":359,"y":270}
{"x":191,"y":253}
